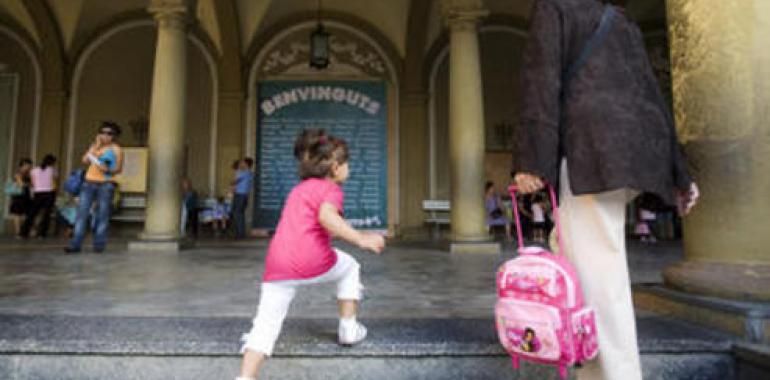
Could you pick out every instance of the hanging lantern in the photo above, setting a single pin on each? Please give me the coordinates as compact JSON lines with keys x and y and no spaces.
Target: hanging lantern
{"x":319,"y":45}
{"x":319,"y":48}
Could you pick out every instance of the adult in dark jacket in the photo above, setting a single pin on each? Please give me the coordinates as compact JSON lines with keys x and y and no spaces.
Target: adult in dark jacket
{"x":603,"y":135}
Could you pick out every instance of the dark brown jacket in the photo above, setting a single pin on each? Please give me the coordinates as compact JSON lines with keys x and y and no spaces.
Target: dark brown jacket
{"x":617,"y":130}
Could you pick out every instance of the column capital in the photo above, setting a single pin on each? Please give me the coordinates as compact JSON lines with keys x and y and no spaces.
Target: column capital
{"x":462,"y":14}
{"x":170,"y":13}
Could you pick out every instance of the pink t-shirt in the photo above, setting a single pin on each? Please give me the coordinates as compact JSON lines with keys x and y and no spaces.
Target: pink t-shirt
{"x":42,"y":179}
{"x":301,"y":247}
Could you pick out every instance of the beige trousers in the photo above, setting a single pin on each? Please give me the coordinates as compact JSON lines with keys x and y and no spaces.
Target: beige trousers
{"x":594,"y":237}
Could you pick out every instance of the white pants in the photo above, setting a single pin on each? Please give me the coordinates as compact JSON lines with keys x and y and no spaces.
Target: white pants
{"x":275,"y":298}
{"x":594,"y":236}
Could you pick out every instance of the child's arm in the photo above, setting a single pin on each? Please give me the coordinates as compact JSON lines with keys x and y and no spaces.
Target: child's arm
{"x":330,"y":218}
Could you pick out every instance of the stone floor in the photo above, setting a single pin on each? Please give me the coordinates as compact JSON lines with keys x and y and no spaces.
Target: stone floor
{"x":219,"y":279}
{"x":130,"y":316}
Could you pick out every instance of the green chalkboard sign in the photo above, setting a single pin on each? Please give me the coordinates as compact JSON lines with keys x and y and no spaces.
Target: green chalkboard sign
{"x":353,"y":110}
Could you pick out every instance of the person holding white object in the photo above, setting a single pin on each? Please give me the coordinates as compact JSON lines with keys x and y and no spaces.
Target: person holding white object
{"x":105,"y":160}
{"x":593,"y":120}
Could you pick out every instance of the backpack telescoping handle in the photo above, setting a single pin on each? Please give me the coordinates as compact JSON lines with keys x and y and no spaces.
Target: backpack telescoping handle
{"x":512,"y":189}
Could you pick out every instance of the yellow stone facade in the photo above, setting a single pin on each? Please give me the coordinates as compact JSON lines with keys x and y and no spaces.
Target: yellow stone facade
{"x":720,"y":53}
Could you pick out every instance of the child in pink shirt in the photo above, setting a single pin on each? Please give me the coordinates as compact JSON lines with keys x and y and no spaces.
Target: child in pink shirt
{"x":301,"y":252}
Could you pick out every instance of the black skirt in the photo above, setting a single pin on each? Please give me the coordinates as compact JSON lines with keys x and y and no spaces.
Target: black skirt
{"x":20,"y":203}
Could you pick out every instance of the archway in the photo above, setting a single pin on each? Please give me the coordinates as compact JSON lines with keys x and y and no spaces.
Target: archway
{"x":104,"y":87}
{"x":500,"y":48}
{"x":356,"y":58}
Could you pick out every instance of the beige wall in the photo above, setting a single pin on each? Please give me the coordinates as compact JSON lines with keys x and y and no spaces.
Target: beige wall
{"x":116,"y":83}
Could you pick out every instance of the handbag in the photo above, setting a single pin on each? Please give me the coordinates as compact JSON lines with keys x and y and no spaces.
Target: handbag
{"x":74,"y":182}
{"x":12,"y":188}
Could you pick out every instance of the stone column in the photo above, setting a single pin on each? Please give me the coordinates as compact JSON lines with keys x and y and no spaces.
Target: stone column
{"x":466,"y":125}
{"x":167,"y":121}
{"x":721,"y":80}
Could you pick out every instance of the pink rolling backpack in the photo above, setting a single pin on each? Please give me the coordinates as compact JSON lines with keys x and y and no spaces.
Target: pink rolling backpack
{"x":540,"y":314}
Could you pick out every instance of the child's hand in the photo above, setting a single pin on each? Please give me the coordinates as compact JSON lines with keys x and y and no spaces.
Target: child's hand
{"x":372,"y":241}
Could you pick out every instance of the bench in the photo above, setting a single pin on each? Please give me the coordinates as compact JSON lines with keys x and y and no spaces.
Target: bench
{"x":438,"y":215}
{"x":130,"y":209}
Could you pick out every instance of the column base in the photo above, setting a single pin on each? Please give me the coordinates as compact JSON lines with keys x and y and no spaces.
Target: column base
{"x":750,"y":320}
{"x":416,"y":234}
{"x":474,"y":247}
{"x":153,"y":243}
{"x":738,"y":281}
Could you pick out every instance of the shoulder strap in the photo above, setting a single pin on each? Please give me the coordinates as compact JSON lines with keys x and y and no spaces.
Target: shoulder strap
{"x":596,"y":39}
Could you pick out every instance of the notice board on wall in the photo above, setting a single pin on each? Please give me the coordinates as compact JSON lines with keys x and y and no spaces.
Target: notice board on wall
{"x":355,"y":111}
{"x":133,"y":178}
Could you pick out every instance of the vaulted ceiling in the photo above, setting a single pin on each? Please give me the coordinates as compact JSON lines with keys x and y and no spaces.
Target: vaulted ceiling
{"x":78,"y":20}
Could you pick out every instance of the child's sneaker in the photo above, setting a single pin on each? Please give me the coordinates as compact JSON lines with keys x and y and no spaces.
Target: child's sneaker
{"x":351,"y":335}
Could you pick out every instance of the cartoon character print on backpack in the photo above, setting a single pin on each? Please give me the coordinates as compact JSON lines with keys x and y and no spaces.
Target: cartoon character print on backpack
{"x":525,"y":340}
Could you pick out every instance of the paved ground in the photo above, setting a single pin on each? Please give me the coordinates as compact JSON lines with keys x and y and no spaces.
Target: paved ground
{"x":219,"y":279}
{"x":149,"y":316}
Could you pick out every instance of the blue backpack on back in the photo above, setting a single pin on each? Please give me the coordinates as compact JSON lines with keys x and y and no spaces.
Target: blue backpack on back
{"x":74,"y":182}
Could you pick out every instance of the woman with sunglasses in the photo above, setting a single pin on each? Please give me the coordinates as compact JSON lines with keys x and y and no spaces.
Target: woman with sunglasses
{"x":105,"y":160}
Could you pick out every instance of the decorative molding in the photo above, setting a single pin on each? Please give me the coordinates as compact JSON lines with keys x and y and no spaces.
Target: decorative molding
{"x":348,"y":56}
{"x":363,"y":58}
{"x":462,"y":14}
{"x":168,"y":7}
{"x":169,"y":13}
{"x":464,"y":19}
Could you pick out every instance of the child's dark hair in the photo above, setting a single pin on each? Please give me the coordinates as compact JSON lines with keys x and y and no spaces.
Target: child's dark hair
{"x":488,"y":186}
{"x":25,"y":161}
{"x":249,"y":162}
{"x":317,"y":151}
{"x":48,"y":160}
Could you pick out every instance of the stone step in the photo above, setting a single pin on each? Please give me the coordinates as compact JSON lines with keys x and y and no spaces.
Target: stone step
{"x":78,"y":347}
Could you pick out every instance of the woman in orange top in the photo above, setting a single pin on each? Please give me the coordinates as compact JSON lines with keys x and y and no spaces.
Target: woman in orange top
{"x":105,"y":160}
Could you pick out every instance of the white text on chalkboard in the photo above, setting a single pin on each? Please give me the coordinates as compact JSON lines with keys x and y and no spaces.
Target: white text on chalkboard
{"x":320,"y":93}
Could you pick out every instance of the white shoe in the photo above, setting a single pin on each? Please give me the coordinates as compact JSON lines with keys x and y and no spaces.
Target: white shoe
{"x":351,"y":336}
